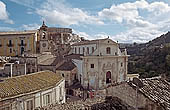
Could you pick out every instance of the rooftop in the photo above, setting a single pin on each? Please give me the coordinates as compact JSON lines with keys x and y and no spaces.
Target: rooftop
{"x":67,"y":66}
{"x":74,"y":56}
{"x":92,"y":42}
{"x":157,"y":90}
{"x":18,"y":32}
{"x":51,"y":61}
{"x":21,"y":85}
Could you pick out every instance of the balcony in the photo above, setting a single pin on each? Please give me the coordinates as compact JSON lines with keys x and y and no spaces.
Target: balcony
{"x":10,"y":45}
{"x":22,"y":44}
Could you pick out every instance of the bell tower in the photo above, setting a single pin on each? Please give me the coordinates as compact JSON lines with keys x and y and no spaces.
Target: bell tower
{"x":44,"y":47}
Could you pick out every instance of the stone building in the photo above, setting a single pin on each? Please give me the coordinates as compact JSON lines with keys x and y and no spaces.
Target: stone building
{"x":55,"y":40}
{"x":153,"y":95}
{"x":31,"y":92}
{"x":16,"y":66}
{"x":101,"y":63}
{"x":15,"y":43}
{"x":68,"y":70}
{"x":49,"y":62}
{"x":45,"y":39}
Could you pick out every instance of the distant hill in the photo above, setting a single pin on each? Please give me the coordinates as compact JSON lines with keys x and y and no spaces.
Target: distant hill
{"x":150,"y":59}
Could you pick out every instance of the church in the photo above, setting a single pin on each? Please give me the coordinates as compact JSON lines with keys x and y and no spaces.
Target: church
{"x":101,"y":63}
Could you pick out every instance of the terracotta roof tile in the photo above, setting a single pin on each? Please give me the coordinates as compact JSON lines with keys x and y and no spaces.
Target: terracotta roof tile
{"x":157,"y":90}
{"x":28,"y":83}
{"x":67,"y":66}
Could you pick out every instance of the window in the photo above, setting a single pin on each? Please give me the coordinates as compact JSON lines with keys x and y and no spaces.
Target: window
{"x":121,"y":64}
{"x":79,"y":50}
{"x":83,"y":50}
{"x":62,"y":75}
{"x":22,"y":42}
{"x":60,"y":91}
{"x":92,"y":49}
{"x":10,"y":42}
{"x":22,"y":50}
{"x":29,"y":105}
{"x":48,"y":99}
{"x":108,"y":51}
{"x":28,"y":71}
{"x":10,"y":50}
{"x":87,"y":50}
{"x":43,"y":35}
{"x":115,"y":53}
{"x":92,"y":65}
{"x":75,"y":50}
{"x":33,"y":70}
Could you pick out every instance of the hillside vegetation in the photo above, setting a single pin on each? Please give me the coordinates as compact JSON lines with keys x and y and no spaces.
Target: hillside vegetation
{"x":150,"y":59}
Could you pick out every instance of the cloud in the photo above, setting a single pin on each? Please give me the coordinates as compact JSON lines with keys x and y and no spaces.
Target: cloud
{"x":123,"y":12}
{"x":144,"y":21}
{"x":4,"y":14}
{"x":7,"y":29}
{"x":138,"y":35}
{"x":129,"y":12}
{"x":82,"y":34}
{"x":30,"y":26}
{"x":55,"y":12}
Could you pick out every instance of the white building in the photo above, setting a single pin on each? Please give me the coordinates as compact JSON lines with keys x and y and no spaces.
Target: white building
{"x":101,"y":63}
{"x":33,"y":91}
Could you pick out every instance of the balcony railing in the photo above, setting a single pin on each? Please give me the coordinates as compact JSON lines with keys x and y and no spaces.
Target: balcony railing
{"x":22,"y":44}
{"x":10,"y":45}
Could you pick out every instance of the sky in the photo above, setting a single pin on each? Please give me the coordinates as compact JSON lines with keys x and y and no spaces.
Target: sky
{"x":125,"y":21}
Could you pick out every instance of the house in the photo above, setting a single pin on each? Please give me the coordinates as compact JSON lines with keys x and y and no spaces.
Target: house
{"x":15,"y":43}
{"x":33,"y":91}
{"x":100,"y":63}
{"x":68,"y":70}
{"x":20,"y":65}
{"x":49,"y":62}
{"x":150,"y":94}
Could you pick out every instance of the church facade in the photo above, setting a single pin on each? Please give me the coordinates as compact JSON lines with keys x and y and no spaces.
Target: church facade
{"x":103,"y":63}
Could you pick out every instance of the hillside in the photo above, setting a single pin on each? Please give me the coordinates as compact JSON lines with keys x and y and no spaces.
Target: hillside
{"x":152,"y":58}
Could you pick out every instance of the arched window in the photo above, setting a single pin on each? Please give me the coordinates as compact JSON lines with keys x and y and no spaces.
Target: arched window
{"x":108,"y":77}
{"x":108,"y":51}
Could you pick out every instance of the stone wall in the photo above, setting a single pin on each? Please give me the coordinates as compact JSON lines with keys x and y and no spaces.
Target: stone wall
{"x":129,"y":95}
